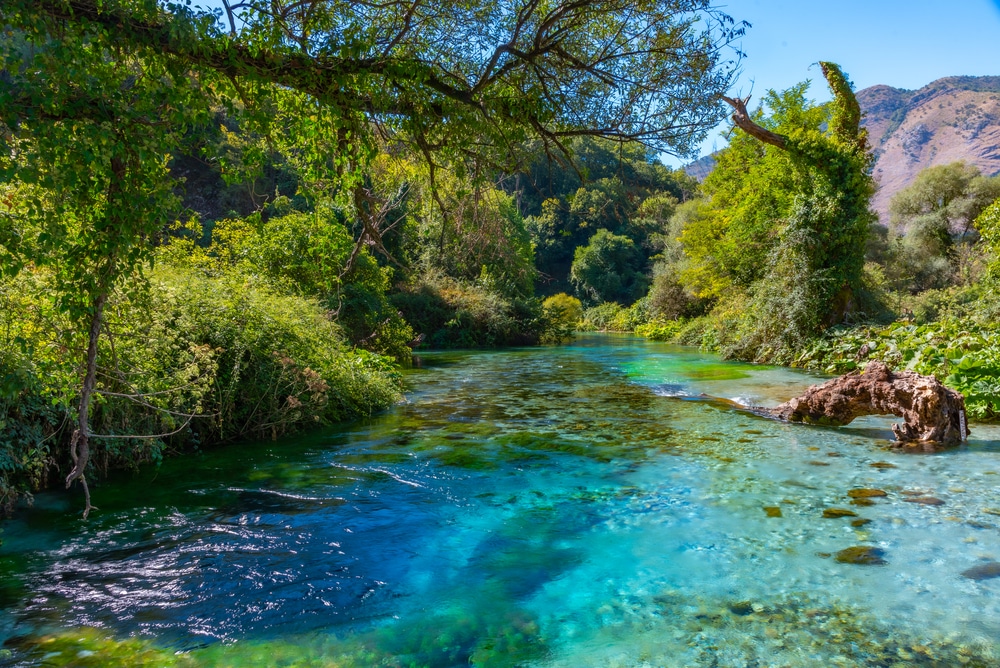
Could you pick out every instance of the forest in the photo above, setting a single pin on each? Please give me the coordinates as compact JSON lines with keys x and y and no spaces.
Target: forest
{"x":232,"y":225}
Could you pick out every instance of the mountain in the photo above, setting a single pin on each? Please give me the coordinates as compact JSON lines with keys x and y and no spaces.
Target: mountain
{"x":951,"y":119}
{"x":701,"y":167}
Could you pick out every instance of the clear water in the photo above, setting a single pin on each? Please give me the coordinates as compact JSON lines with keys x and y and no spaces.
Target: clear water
{"x":571,"y":506}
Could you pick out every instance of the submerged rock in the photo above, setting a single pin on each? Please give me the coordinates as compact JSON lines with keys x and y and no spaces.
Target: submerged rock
{"x":835,"y":513}
{"x":866,"y":493}
{"x":862,"y":555}
{"x":932,"y":413}
{"x":743,"y":608}
{"x":925,"y":500}
{"x":772,"y":511}
{"x":983,"y":571}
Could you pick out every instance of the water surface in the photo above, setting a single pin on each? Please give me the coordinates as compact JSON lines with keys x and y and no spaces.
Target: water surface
{"x":574,"y":506}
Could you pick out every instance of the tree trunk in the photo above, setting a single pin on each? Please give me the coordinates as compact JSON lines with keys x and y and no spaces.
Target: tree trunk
{"x":933,"y":413}
{"x":80,"y":443}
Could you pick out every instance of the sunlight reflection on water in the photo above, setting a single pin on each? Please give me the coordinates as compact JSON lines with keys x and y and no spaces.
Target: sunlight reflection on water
{"x":566,"y":506}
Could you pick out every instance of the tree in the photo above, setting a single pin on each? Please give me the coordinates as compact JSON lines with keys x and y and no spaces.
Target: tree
{"x":606,"y":269}
{"x":931,"y":225}
{"x":490,"y":73}
{"x":814,"y":268}
{"x":988,"y":225}
{"x":97,"y":93}
{"x":620,"y":188}
{"x":99,"y":193}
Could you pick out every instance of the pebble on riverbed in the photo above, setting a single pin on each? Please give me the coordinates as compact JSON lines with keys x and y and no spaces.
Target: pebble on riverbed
{"x":862,"y":555}
{"x":836,"y":513}
{"x":925,"y":500}
{"x":866,"y":493}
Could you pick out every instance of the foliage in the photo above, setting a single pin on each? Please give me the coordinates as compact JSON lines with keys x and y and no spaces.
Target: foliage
{"x":467,"y":229}
{"x":781,"y":244}
{"x":988,"y":225}
{"x":448,"y":313}
{"x":612,"y":317}
{"x":668,"y":299}
{"x":660,"y":330}
{"x":564,"y":314}
{"x":750,"y":193}
{"x":192,"y":357}
{"x":282,"y":364}
{"x":605,"y":269}
{"x":480,"y":78}
{"x":620,"y":188}
{"x":932,"y":236}
{"x":314,"y":255}
{"x":963,"y":355}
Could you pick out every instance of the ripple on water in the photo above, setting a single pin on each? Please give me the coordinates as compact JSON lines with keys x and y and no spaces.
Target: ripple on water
{"x":570,"y":506}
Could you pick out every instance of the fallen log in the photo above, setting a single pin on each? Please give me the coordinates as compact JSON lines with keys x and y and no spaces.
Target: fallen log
{"x":932,"y":413}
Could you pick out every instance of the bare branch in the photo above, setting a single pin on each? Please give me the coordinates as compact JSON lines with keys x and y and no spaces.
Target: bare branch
{"x":743,"y":121}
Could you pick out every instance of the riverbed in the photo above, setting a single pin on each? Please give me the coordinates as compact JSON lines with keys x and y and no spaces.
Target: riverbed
{"x":584,"y":505}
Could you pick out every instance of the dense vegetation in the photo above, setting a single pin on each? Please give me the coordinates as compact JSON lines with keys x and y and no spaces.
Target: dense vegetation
{"x":234,"y":225}
{"x":227,"y":226}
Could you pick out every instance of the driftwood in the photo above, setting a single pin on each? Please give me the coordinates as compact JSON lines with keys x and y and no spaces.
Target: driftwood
{"x":932,"y":412}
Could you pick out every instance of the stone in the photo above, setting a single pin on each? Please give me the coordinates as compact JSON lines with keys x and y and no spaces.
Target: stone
{"x":772,"y":511}
{"x":742,"y":608}
{"x":836,"y":513}
{"x":860,"y":522}
{"x":933,"y":414}
{"x":866,"y":493}
{"x":862,"y":556}
{"x":983,"y":571}
{"x":925,"y":500}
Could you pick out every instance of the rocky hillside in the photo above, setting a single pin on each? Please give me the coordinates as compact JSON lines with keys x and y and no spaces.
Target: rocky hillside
{"x":957,"y":118}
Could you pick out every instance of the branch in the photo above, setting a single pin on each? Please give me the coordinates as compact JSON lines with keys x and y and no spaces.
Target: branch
{"x":743,"y":121}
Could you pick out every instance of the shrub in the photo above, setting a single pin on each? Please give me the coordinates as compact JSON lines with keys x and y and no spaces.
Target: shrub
{"x":600,"y":317}
{"x":190,"y":357}
{"x":563,"y":314}
{"x":449,"y":313}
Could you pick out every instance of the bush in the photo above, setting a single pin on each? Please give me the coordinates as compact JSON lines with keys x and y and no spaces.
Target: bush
{"x":313,"y":255}
{"x":599,"y":318}
{"x":449,"y":313}
{"x":192,"y":357}
{"x":660,"y":330}
{"x":563,"y":314}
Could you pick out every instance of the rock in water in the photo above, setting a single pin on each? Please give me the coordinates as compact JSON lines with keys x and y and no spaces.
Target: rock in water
{"x":990,"y":569}
{"x":862,"y":556}
{"x":932,"y":412}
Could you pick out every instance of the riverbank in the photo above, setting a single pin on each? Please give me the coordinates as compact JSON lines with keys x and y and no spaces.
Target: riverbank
{"x":190,"y":359}
{"x":960,"y":350}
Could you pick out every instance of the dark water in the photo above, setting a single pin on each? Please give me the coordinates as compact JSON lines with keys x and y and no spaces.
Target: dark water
{"x":572,"y":506}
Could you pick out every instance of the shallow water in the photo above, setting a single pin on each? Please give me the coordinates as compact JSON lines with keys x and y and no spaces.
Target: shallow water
{"x":574,"y":506}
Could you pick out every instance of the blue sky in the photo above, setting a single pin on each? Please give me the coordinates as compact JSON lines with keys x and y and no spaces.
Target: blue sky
{"x":900,"y":44}
{"x":905,"y":44}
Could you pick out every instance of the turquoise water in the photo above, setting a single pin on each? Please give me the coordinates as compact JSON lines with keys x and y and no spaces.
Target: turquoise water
{"x":574,"y":506}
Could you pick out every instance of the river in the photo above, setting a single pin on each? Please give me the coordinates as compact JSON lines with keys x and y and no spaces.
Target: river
{"x":581,"y":505}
